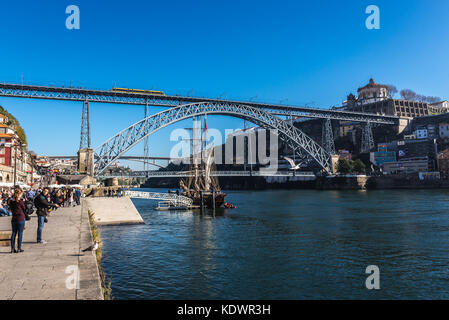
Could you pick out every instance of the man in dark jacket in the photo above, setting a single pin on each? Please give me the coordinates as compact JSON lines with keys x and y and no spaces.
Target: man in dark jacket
{"x":77,"y":196}
{"x":42,"y":206}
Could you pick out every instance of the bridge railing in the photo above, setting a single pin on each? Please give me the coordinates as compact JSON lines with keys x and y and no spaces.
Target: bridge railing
{"x":170,"y":197}
{"x":265,"y":173}
{"x":105,"y":96}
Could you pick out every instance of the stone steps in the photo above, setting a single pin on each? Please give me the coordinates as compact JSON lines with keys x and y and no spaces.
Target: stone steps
{"x":5,"y":238}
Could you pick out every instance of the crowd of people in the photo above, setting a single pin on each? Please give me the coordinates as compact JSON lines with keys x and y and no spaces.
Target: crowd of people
{"x":106,"y":192}
{"x":20,"y":205}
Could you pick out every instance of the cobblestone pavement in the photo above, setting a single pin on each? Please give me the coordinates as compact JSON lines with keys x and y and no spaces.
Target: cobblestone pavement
{"x":49,"y":271}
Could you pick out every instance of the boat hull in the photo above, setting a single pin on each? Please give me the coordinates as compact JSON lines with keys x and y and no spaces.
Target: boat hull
{"x":208,"y":200}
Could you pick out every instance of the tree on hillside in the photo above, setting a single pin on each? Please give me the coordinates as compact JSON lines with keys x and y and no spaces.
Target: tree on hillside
{"x":344,"y":166}
{"x":12,"y":121}
{"x":420,"y":98}
{"x":433,"y":99}
{"x":359,"y":166}
{"x":392,"y":90}
{"x":408,"y":94}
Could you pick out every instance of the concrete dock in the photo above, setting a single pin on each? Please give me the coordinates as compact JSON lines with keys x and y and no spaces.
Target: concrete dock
{"x":113,"y":211}
{"x":49,"y":271}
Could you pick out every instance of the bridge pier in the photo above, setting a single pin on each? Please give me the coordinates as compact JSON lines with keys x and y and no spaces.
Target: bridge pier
{"x":86,"y":161}
{"x":334,"y":162}
{"x":146,"y":146}
{"x":367,"y":138}
{"x":85,"y":126}
{"x":328,"y":137}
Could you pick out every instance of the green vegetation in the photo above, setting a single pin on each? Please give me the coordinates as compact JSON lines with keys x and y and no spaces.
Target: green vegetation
{"x":349,"y":166}
{"x":359,"y":166}
{"x":15,"y":124}
{"x":344,"y":166}
{"x":107,"y":291}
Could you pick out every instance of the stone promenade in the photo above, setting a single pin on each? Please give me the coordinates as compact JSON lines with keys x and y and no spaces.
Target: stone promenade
{"x":49,"y":271}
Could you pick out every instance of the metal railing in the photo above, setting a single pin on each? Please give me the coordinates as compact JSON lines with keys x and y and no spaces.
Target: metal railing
{"x":170,"y":197}
{"x":180,"y":174}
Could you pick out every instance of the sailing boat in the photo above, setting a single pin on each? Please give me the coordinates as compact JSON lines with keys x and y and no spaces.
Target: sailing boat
{"x":201,"y":186}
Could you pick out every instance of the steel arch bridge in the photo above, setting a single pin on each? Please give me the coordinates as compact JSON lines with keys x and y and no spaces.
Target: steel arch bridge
{"x":298,"y":141}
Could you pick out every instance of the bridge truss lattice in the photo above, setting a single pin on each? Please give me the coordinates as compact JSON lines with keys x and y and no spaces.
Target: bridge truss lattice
{"x":296,"y":140}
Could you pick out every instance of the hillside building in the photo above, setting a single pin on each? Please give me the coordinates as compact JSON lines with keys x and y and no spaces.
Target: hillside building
{"x":12,"y":156}
{"x":375,"y":98}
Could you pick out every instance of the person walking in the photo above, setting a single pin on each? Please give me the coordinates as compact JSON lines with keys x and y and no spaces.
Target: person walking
{"x":77,"y":196}
{"x":17,"y":207}
{"x":42,"y":205}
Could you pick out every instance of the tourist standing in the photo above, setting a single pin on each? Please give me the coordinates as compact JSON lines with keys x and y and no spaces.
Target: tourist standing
{"x":30,"y":195}
{"x":71,"y":198}
{"x":5,"y":195}
{"x":66,"y":197}
{"x":17,"y":207}
{"x":42,"y":205}
{"x":59,"y":198}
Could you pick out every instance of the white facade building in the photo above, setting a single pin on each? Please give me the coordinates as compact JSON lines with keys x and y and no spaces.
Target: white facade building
{"x":444,"y":130}
{"x":421,"y":133}
{"x":439,"y":107}
{"x":372,"y":92}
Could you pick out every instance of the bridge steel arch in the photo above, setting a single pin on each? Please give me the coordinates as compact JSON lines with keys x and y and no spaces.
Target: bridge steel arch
{"x":298,"y":141}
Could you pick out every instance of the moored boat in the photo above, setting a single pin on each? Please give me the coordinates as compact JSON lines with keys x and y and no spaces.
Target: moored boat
{"x":201,"y":185}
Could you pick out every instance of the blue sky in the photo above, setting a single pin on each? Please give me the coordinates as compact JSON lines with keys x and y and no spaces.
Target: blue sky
{"x":309,"y":52}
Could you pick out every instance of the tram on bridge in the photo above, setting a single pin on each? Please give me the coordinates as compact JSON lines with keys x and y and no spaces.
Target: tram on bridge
{"x":141,"y":91}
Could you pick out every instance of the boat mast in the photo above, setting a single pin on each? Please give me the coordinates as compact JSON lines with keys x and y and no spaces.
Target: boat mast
{"x":193,"y":166}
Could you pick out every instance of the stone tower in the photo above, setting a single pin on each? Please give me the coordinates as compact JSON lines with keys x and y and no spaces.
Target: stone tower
{"x":86,"y":161}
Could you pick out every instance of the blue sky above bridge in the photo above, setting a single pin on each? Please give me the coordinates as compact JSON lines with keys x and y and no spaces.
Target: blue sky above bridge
{"x":309,"y":52}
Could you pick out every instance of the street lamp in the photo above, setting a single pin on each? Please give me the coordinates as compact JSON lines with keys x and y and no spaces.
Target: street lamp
{"x":15,"y":159}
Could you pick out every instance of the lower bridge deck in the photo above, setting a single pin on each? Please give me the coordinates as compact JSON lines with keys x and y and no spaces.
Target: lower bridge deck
{"x":180,"y":174}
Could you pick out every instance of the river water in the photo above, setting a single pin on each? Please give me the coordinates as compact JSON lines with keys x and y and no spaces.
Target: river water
{"x":289,"y":244}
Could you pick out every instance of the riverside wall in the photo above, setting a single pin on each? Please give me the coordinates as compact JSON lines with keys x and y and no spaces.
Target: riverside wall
{"x":320,"y":183}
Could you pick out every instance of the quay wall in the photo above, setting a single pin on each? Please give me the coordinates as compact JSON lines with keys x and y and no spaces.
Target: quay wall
{"x":113,"y":211}
{"x":341,"y":183}
{"x":320,"y":183}
{"x":404,"y":182}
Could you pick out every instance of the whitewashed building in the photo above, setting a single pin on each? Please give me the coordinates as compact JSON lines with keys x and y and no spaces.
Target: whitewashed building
{"x":422,"y":133}
{"x":444,"y":130}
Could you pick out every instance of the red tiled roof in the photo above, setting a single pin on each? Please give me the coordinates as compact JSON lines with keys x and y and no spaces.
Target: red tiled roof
{"x":372,"y":84}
